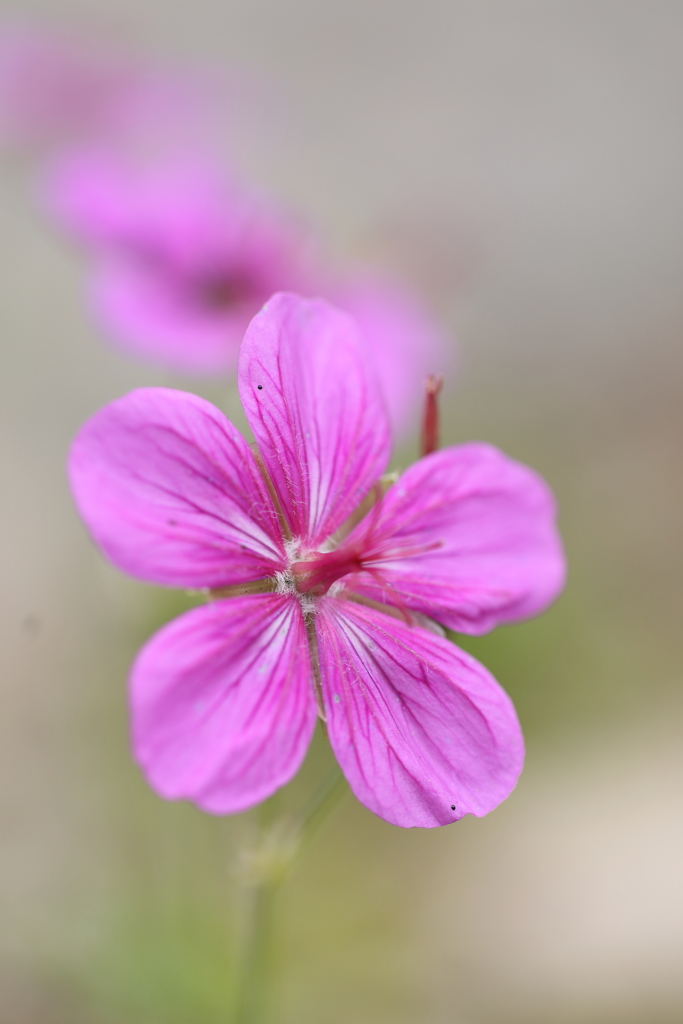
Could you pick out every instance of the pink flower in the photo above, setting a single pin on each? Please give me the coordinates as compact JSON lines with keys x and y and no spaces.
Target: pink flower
{"x":53,"y":86}
{"x":184,"y":258}
{"x":322,"y":600}
{"x":60,"y":84}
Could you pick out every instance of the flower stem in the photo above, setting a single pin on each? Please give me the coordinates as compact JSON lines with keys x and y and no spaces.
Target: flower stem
{"x":254,"y":987}
{"x":321,"y":804}
{"x":267,"y":865}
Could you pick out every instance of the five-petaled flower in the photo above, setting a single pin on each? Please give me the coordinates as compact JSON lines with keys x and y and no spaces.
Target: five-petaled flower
{"x":326,"y":591}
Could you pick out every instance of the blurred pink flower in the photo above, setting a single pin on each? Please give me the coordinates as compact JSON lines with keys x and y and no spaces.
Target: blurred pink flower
{"x":53,"y":86}
{"x":59,"y":85}
{"x":321,"y":587}
{"x":184,"y":258}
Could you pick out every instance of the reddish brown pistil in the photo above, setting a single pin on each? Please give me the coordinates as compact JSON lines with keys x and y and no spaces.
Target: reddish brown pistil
{"x":222,"y":290}
{"x":316,"y":575}
{"x":430,"y":419}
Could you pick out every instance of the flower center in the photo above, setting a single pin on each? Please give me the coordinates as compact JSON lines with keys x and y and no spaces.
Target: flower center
{"x":316,"y":574}
{"x":221,"y":290}
{"x":215,"y":289}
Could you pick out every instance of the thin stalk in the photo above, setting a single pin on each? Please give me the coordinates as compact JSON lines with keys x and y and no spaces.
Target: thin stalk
{"x":253,"y":995}
{"x":279,"y":844}
{"x":321,"y":805}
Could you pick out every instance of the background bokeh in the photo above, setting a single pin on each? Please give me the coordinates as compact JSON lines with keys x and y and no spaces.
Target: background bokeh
{"x":522,"y":162}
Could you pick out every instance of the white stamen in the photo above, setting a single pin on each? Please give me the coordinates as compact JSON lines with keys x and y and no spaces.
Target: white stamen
{"x":309,"y":605}
{"x":284,"y":583}
{"x":293,"y":549}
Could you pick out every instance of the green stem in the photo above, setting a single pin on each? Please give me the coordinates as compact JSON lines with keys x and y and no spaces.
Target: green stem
{"x":254,"y":989}
{"x":321,"y":805}
{"x":276,"y":852}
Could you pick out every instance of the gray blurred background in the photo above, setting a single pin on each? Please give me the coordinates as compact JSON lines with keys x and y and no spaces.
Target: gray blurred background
{"x":522,"y":162}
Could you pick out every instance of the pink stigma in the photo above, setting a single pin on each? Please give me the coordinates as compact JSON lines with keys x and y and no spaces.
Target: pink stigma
{"x":316,"y":575}
{"x":430,"y":419}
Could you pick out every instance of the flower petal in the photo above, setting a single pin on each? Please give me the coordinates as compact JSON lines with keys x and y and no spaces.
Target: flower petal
{"x":423,"y":733}
{"x":466,"y":536}
{"x":149,"y":314}
{"x":222,"y":702}
{"x":179,"y":208}
{"x":315,"y":411}
{"x":171,"y":492}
